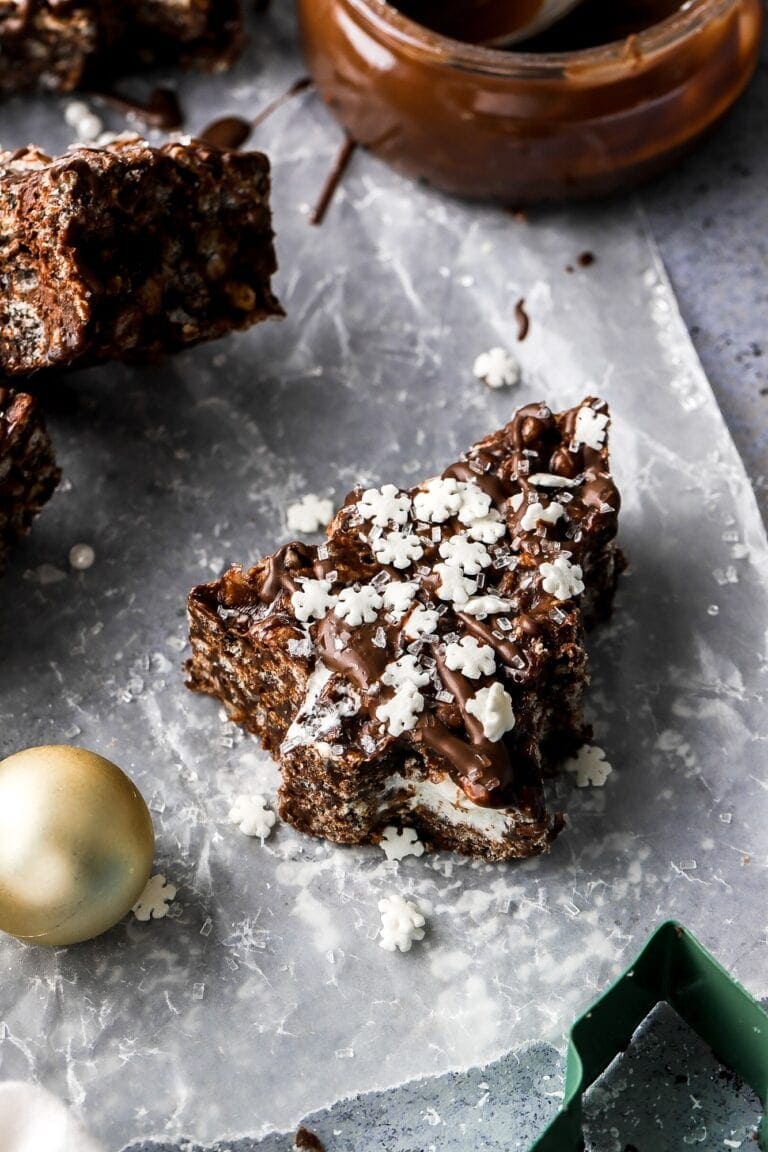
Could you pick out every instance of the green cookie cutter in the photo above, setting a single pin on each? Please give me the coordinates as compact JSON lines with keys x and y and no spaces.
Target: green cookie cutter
{"x":673,"y":967}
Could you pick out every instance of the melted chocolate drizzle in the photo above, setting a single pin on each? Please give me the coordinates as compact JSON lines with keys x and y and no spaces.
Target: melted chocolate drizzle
{"x":334,"y":178}
{"x":230,"y":132}
{"x":161,"y":110}
{"x":523,"y":320}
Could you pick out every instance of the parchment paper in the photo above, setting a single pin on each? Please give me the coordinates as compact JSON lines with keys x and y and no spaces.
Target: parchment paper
{"x":264,"y":994}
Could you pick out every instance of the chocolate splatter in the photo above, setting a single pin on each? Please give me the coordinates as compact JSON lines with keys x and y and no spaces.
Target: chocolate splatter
{"x":584,"y":259}
{"x":298,"y":86}
{"x":317,"y":215}
{"x":162,"y":110}
{"x":523,"y":319}
{"x":306,"y":1141}
{"x":228,"y":133}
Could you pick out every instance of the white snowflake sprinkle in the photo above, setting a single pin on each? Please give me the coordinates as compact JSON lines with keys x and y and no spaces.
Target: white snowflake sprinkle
{"x":402,"y":711}
{"x":397,"y":843}
{"x":309,"y":514}
{"x":469,"y":555}
{"x":475,"y":504}
{"x":497,"y":368}
{"x":399,"y":673}
{"x":493,"y":708}
{"x":252,"y":816}
{"x":470,"y":658}
{"x":358,"y":605}
{"x":488,"y":529}
{"x":421,"y":622}
{"x":454,"y":585}
{"x":398,"y":549}
{"x":590,"y":428}
{"x":538,"y":514}
{"x":481,"y":606}
{"x":398,"y":596}
{"x":401,"y":923}
{"x":561,"y":578}
{"x":312,"y":600}
{"x":154,"y":901}
{"x":383,"y":506}
{"x":438,"y":500}
{"x":590,"y":766}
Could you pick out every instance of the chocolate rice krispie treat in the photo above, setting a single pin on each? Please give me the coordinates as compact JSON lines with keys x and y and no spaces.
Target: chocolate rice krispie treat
{"x":129,"y":251}
{"x":60,"y":44}
{"x":44,"y":44}
{"x":425,"y":666}
{"x":28,"y":472}
{"x":206,"y":34}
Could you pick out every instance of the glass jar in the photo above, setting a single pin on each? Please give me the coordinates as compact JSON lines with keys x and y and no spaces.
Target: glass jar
{"x":523,"y":127}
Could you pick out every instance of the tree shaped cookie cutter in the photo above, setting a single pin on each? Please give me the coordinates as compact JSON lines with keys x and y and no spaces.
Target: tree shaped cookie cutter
{"x":673,"y":967}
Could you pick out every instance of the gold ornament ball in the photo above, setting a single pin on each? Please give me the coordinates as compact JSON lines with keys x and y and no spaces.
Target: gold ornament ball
{"x":76,"y":844}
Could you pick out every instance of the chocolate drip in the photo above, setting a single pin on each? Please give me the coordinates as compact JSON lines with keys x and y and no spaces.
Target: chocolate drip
{"x":278,"y":573}
{"x":162,"y":110}
{"x":345,"y":153}
{"x":481,"y":767}
{"x":298,"y":86}
{"x":306,"y":1141}
{"x":489,"y":483}
{"x":228,"y":133}
{"x":523,"y":320}
{"x":352,"y":652}
{"x":506,"y":649}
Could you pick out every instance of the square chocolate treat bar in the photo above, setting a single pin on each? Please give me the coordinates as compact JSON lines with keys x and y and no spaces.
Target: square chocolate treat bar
{"x":44,"y":44}
{"x":53,"y":44}
{"x":206,"y":34}
{"x":128,"y":252}
{"x":425,"y":666}
{"x":28,"y":472}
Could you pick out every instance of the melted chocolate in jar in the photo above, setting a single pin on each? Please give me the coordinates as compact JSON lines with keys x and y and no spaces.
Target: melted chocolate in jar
{"x":590,"y":24}
{"x":473,"y":21}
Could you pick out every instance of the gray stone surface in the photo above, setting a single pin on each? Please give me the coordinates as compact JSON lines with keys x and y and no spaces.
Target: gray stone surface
{"x":666,"y":1093}
{"x":710,"y":218}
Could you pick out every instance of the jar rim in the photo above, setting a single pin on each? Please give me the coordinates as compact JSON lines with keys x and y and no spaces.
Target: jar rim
{"x":444,"y":50}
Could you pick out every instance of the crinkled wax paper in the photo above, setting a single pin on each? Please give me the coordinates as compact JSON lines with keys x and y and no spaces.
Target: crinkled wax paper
{"x":265,"y":995}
